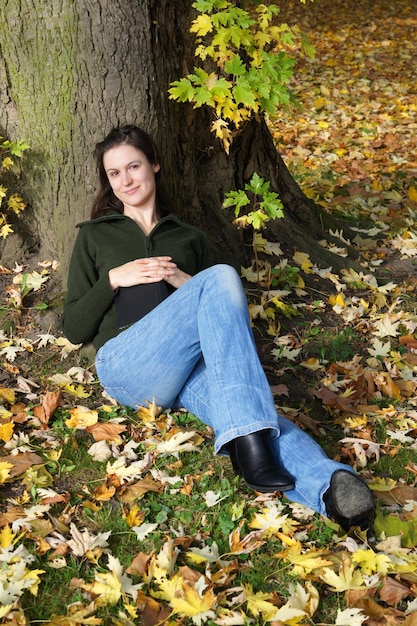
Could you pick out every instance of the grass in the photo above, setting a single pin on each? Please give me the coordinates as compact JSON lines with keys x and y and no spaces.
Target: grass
{"x":336,"y":344}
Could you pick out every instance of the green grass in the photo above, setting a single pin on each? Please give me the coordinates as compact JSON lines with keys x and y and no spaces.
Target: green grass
{"x":334,"y":344}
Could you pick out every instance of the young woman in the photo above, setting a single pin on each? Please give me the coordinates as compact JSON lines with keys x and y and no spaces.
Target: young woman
{"x":171,"y":326}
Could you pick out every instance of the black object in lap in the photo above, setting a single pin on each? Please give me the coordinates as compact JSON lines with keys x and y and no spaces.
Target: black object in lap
{"x":133,"y":303}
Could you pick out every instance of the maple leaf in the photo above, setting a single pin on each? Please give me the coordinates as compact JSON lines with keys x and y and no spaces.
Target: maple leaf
{"x":167,"y":556}
{"x":371,"y":563}
{"x":382,"y":483}
{"x":304,"y":599}
{"x":81,"y":375}
{"x":286,"y":353}
{"x":385,"y":327}
{"x":303,"y":260}
{"x":128,"y":588}
{"x":50,"y":402}
{"x":258,"y":603}
{"x":287,"y":614}
{"x":107,"y":432}
{"x":144,"y":530}
{"x":5,"y":468}
{"x":149,"y":414}
{"x":44,"y":340}
{"x":100,"y":451}
{"x":350,"y":617}
{"x":77,"y":391}
{"x":271,"y":520}
{"x":67,"y":347}
{"x":10,"y":352}
{"x":208,"y":554}
{"x":347,"y":579}
{"x":196,"y":602}
{"x":250,"y":542}
{"x":6,"y":431}
{"x":179,"y":442}
{"x":123,"y":471}
{"x":15,"y":576}
{"x":269,"y":247}
{"x":81,"y":418}
{"x":85,"y":542}
{"x":202,"y":25}
{"x":7,"y":537}
{"x":304,"y":562}
{"x":106,"y":587}
{"x":34,"y":280}
{"x":379,"y":348}
{"x":134,"y":515}
{"x":8,"y":395}
{"x":363,"y":449}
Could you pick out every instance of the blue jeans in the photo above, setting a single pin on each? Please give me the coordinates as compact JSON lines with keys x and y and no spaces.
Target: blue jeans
{"x":196,"y":350}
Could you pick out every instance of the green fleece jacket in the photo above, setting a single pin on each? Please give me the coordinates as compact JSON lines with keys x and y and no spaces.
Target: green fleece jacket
{"x":110,"y":241}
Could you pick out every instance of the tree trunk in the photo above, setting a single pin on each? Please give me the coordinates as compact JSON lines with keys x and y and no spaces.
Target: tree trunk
{"x":70,"y":71}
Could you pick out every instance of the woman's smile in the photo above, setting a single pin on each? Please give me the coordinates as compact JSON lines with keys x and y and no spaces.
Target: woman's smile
{"x":131,"y":176}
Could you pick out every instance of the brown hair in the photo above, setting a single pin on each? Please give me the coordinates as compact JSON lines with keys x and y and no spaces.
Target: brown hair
{"x":105,"y":199}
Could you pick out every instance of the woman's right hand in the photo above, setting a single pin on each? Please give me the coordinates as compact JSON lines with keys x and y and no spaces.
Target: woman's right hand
{"x":141,"y":271}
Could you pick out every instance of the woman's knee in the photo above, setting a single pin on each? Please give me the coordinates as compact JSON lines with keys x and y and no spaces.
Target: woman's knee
{"x":225,"y":279}
{"x":224,"y":274}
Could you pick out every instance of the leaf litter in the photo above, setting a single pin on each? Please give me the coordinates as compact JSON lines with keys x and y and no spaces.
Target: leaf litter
{"x":196,"y":537}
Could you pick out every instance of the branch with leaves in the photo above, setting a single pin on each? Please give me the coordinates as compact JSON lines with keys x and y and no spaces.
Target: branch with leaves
{"x":252,"y":65}
{"x":9,"y":152}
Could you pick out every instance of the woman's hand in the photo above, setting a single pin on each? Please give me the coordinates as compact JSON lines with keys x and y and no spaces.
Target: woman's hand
{"x":147,"y":270}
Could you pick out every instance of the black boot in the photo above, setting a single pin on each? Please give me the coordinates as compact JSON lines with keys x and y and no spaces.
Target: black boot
{"x":253,"y":458}
{"x":349,"y":501}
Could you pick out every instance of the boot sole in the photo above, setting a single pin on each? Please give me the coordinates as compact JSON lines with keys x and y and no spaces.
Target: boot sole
{"x":351,"y":498}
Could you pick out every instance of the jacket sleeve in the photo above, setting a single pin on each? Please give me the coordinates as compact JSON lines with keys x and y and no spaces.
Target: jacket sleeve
{"x":89,"y":295}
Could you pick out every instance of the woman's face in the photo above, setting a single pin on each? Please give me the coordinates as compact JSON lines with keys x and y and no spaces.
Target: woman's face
{"x":131,"y":176}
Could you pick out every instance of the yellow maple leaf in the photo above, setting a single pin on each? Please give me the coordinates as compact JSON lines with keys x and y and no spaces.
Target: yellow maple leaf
{"x":5,"y":608}
{"x":169,"y":587}
{"x":6,"y":537}
{"x":106,"y":587}
{"x":319,"y":102}
{"x":6,"y":431}
{"x":347,"y":579}
{"x":5,"y":468}
{"x":312,"y":364}
{"x":271,"y":520}
{"x":34,"y":576}
{"x":382,"y":484}
{"x":8,"y":395}
{"x":371,"y":563}
{"x":259,"y":602}
{"x":202,"y":25}
{"x":223,"y":132}
{"x":81,"y":417}
{"x":77,"y":391}
{"x":195,"y":602}
{"x":134,"y":516}
{"x":337,"y":300}
{"x":149,"y":414}
{"x":303,"y":260}
{"x":412,"y":194}
{"x":304,"y":562}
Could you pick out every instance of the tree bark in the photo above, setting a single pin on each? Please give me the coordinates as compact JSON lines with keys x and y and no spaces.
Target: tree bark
{"x":70,"y":71}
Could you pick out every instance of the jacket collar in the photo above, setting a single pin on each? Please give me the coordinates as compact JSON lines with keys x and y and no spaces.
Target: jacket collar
{"x":115,"y":215}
